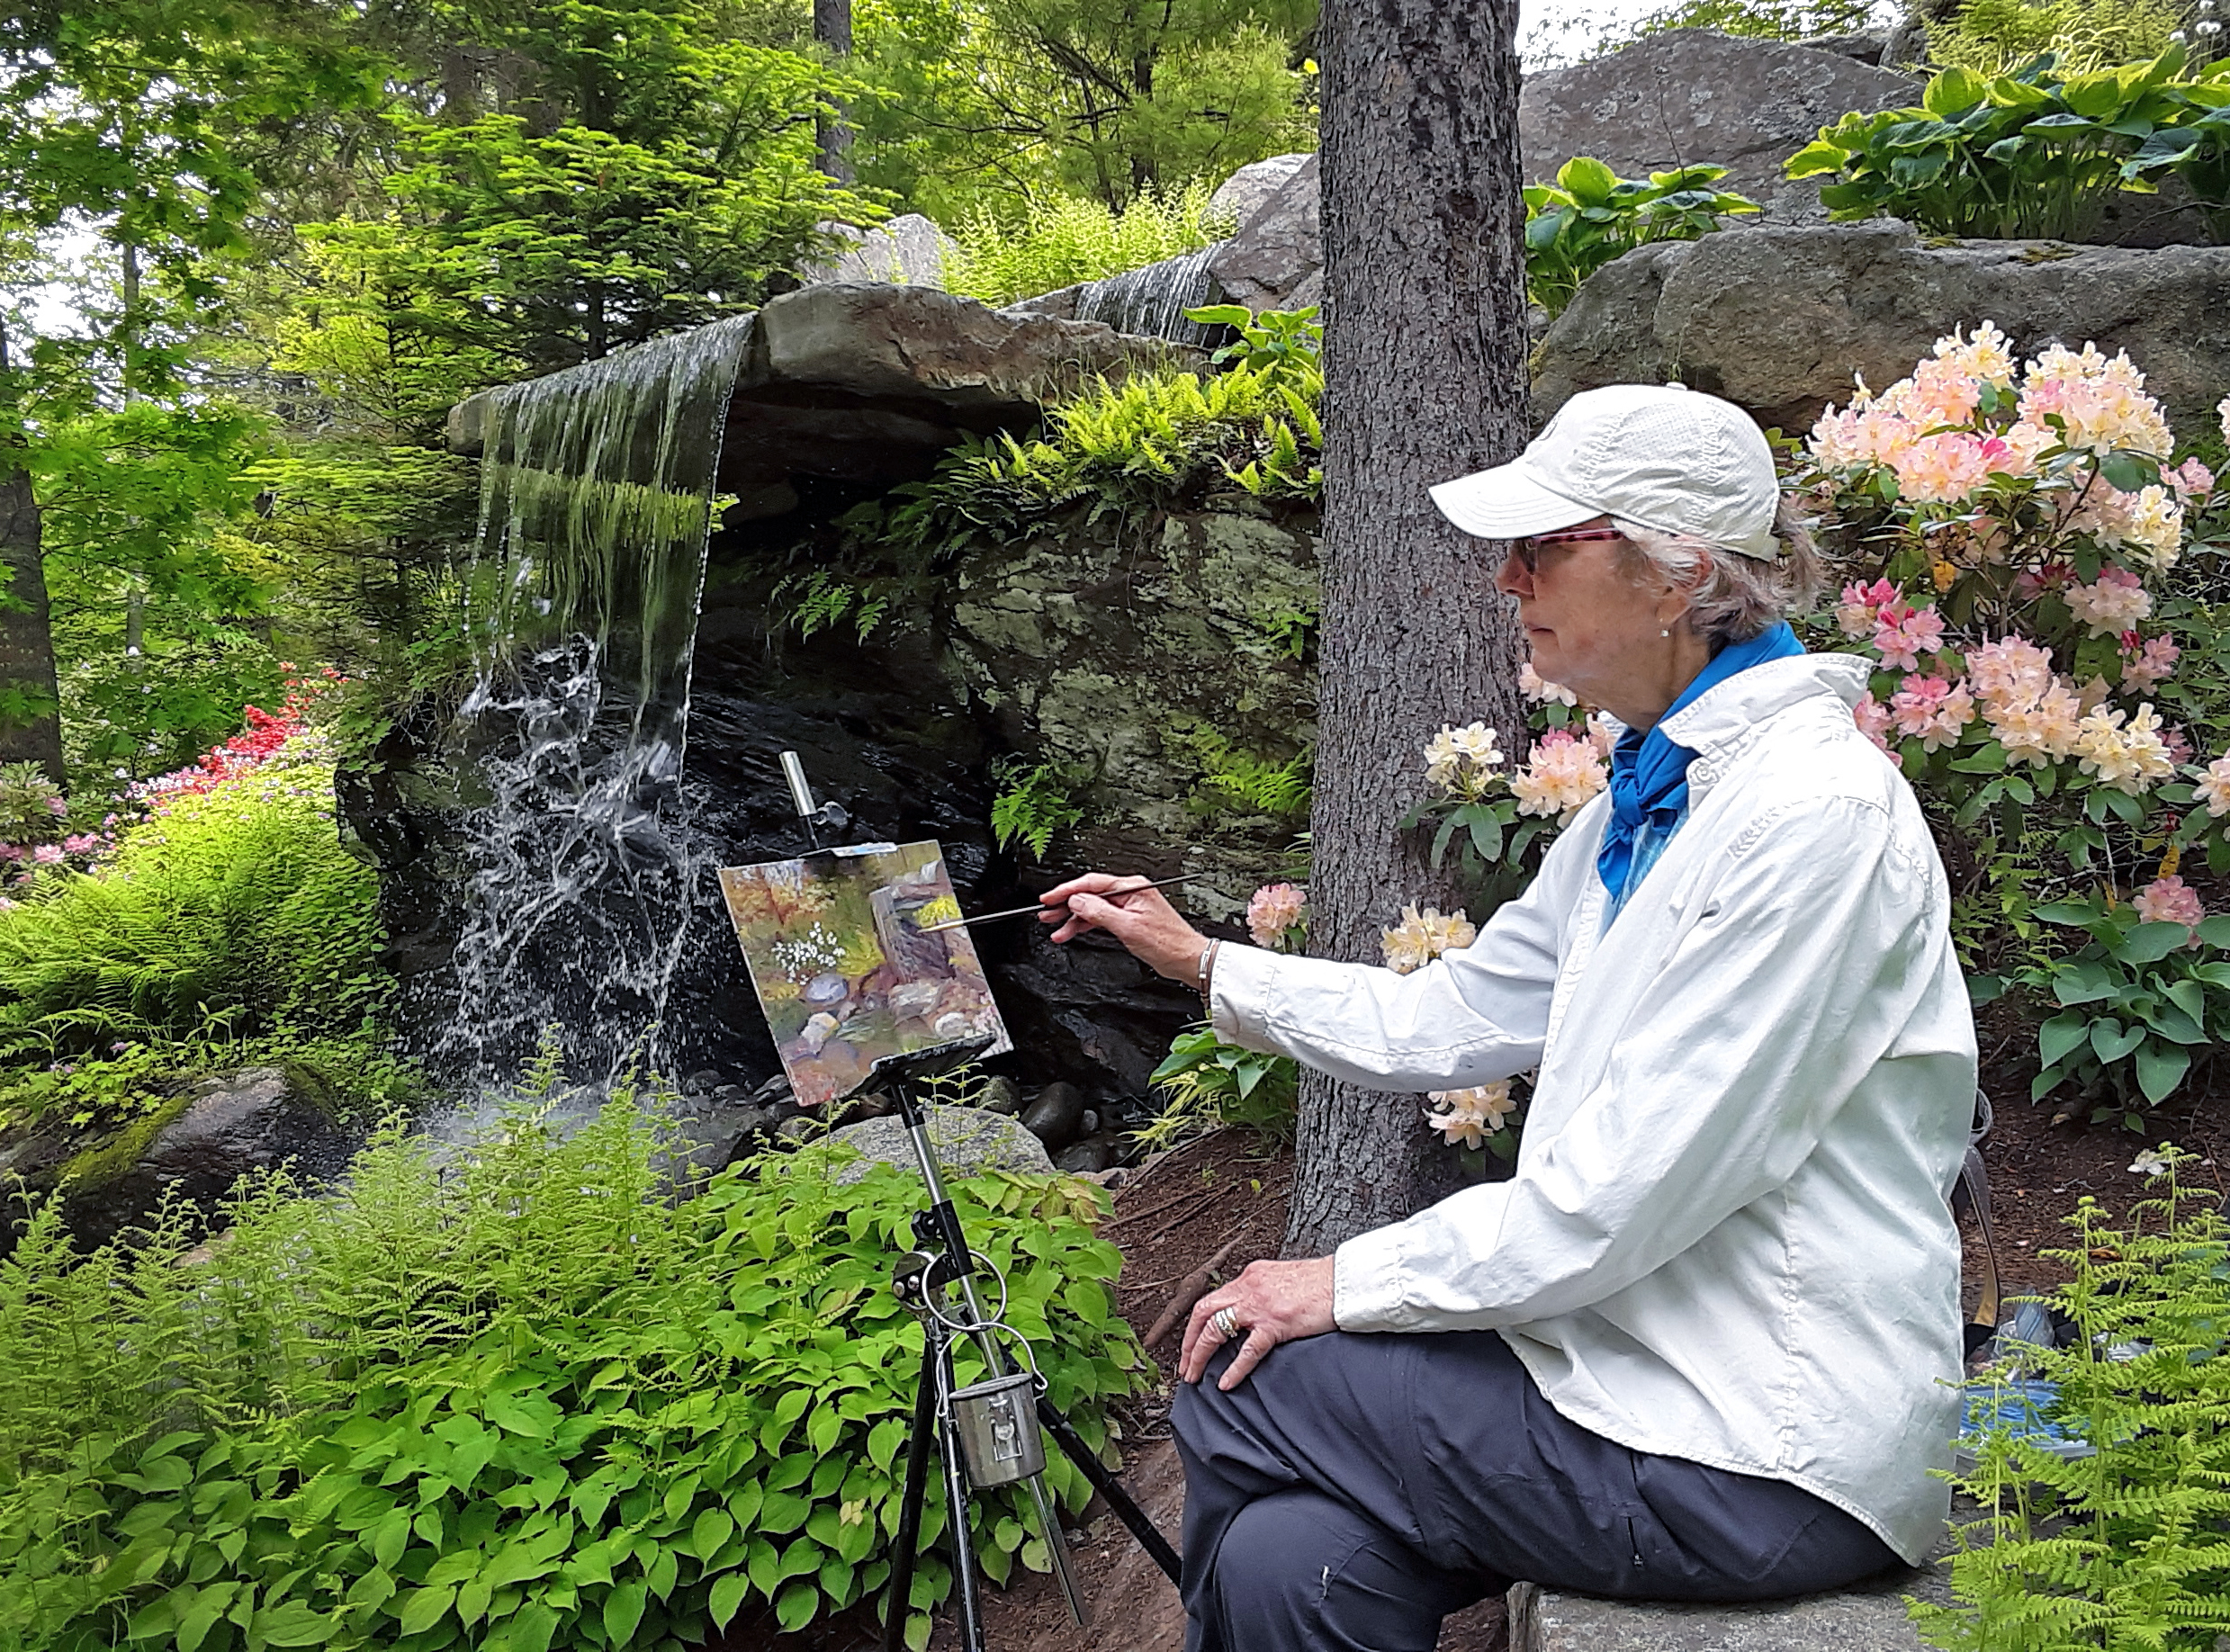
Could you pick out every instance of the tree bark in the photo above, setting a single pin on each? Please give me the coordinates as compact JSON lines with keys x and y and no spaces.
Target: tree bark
{"x":26,"y":643}
{"x":831,"y":28}
{"x":1425,"y":363}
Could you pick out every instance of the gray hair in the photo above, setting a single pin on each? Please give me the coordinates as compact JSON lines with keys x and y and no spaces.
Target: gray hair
{"x":1738,"y":596}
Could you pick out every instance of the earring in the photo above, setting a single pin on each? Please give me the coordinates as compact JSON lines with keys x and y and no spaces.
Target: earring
{"x":1666,"y":632}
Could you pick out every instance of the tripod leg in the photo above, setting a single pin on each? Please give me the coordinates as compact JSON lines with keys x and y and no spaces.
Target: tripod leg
{"x":963,"y":1546}
{"x":1126,"y":1509}
{"x":901,"y":1554}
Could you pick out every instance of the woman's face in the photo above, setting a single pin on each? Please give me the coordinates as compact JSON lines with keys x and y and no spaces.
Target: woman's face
{"x":1595,"y":621}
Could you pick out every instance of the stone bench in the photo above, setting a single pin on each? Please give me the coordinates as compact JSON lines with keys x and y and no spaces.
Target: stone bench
{"x":1870,"y":1617}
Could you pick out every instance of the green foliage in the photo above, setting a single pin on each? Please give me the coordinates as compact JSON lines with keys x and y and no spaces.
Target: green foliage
{"x":1028,"y":100}
{"x":1061,"y":240}
{"x":1034,"y":802}
{"x":1204,"y":1083}
{"x":237,"y":909}
{"x":28,"y":804}
{"x":2122,"y":1549}
{"x":1590,"y":216}
{"x":1996,"y":37}
{"x":2140,"y":1000}
{"x":819,"y":600}
{"x":1236,"y":779}
{"x":521,"y":1400}
{"x":1129,"y":448}
{"x":2034,"y":153}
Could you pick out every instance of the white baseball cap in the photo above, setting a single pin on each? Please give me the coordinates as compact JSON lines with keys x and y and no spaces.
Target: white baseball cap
{"x":1667,"y":457}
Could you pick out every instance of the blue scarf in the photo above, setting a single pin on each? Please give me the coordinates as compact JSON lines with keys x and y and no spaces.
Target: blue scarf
{"x":1649,"y":772}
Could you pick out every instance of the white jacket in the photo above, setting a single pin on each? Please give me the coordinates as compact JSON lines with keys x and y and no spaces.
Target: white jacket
{"x":1726,"y":1239}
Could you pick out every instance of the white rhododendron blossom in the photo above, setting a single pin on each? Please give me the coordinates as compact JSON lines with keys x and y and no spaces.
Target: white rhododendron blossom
{"x":2213,"y":791}
{"x":1468,"y":1116}
{"x":1462,"y":760}
{"x":2130,"y":756}
{"x":1541,"y":690}
{"x":1421,"y":937}
{"x":2112,"y":605}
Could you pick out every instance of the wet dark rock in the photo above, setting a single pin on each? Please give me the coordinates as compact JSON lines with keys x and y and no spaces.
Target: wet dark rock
{"x":1056,"y":1116}
{"x":194,"y":1149}
{"x":1094,"y":1153}
{"x":1000,"y":1094}
{"x":800,"y":1130}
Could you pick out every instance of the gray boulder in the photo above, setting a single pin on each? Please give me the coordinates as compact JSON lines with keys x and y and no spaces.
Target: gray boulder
{"x":1276,"y":260}
{"x":870,"y":382}
{"x":909,"y":251}
{"x":1779,"y":318}
{"x":1245,"y":193}
{"x":967,"y":1139}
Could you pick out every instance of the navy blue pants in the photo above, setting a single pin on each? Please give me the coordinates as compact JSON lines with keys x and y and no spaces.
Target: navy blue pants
{"x":1356,"y":1489}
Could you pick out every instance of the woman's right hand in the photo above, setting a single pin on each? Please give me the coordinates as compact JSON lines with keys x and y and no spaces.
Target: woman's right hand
{"x":1134,"y":913}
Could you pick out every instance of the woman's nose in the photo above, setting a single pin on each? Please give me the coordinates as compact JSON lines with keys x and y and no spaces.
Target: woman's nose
{"x":1511,"y":578}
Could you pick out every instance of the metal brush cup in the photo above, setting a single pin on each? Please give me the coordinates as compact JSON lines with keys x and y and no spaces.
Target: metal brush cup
{"x":997,"y":1423}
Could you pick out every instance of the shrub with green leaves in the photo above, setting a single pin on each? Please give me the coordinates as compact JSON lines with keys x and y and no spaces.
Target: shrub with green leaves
{"x":235,"y":909}
{"x":2122,"y":1549}
{"x":1590,"y":216}
{"x":521,"y":1400}
{"x":1996,"y":37}
{"x":1062,"y":240}
{"x":2036,"y":152}
{"x":1204,"y":1082}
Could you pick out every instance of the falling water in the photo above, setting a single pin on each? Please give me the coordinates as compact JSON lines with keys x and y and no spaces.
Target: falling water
{"x":1151,"y":302}
{"x":596,"y":505}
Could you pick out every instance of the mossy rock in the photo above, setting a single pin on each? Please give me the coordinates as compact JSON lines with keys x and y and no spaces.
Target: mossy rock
{"x":109,"y":1161}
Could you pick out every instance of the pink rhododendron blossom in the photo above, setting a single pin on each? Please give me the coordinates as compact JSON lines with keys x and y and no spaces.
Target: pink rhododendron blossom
{"x":1559,"y":778}
{"x":55,"y":805}
{"x":2213,"y":791}
{"x":1873,"y":719}
{"x":2037,"y":732}
{"x":2131,"y":757}
{"x":81,"y":843}
{"x":1273,"y":911}
{"x":1862,"y":606}
{"x":1541,"y":690}
{"x":48,"y":854}
{"x":1931,"y":709}
{"x":2150,"y":665}
{"x":2115,"y":604}
{"x":2099,"y":404}
{"x":1941,"y":470}
{"x":2170,"y":899}
{"x":1602,"y":734}
{"x":1904,"y":638}
{"x":2192,"y":481}
{"x":2178,"y":744}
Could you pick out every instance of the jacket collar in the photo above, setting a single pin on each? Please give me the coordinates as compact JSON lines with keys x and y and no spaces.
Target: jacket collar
{"x":1724,"y":716}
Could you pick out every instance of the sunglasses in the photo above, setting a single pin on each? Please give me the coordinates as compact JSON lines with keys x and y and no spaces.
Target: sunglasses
{"x":1528,"y":550}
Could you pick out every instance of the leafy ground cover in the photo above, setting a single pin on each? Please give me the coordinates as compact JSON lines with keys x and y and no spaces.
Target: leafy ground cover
{"x":513,"y":1400}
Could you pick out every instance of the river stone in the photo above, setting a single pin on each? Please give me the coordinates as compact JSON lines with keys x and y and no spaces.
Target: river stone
{"x":1690,"y":94}
{"x":1246,"y":192}
{"x":1777,"y":319}
{"x":967,"y":1139}
{"x":909,"y":250}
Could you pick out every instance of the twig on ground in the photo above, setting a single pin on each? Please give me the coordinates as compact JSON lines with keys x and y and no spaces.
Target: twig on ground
{"x":1191,"y":1290}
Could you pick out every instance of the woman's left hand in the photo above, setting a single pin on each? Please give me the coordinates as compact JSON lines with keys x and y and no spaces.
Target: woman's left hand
{"x":1273,"y":1302}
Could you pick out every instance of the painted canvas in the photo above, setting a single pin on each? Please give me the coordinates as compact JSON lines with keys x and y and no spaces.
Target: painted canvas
{"x":843,"y":972}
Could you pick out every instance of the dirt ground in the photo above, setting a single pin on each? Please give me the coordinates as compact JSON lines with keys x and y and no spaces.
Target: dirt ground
{"x":1232,"y":1189}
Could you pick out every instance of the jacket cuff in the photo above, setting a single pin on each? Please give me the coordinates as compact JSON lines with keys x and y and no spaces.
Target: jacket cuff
{"x":1239,"y":994}
{"x":1369,"y":1282}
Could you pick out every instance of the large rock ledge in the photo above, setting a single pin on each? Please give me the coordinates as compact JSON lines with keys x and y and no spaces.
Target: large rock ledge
{"x":1779,"y":318}
{"x":868,"y":382}
{"x":1869,"y":1618}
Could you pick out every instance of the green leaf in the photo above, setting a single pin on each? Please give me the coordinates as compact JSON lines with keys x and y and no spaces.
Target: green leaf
{"x":2060,"y":1035}
{"x":290,"y":1623}
{"x":623,"y":1610}
{"x":730,"y":1588}
{"x":2161,"y":1068}
{"x":1586,"y":180}
{"x":2112,"y":1041}
{"x":1952,"y":91}
{"x":421,"y":1609}
{"x":712,"y":1529}
{"x":2216,"y":930}
{"x":2149,"y":943}
{"x":2130,"y":473}
{"x":794,"y":1607}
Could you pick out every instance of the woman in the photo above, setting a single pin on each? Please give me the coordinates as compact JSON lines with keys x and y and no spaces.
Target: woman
{"x":1699,"y":1346}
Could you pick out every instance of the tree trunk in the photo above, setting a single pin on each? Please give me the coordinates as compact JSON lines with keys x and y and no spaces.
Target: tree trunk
{"x":1425,"y":360}
{"x":831,"y":28}
{"x":26,"y":644}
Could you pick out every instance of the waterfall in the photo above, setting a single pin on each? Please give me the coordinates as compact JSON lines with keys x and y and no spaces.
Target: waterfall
{"x":1151,"y":302}
{"x":581,"y":604}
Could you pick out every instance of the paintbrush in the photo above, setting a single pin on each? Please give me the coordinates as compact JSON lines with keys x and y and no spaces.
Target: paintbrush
{"x":1016,"y":911}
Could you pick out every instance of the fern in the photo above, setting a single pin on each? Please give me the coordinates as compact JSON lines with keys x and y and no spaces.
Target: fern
{"x":2126,"y":1548}
{"x":1064,"y":240}
{"x":1032,"y":805}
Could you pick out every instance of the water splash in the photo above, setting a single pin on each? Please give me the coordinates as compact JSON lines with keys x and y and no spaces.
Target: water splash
{"x":1151,"y":302}
{"x":596,"y":505}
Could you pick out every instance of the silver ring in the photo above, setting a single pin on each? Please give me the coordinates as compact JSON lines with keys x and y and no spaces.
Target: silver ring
{"x":1227,"y":1322}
